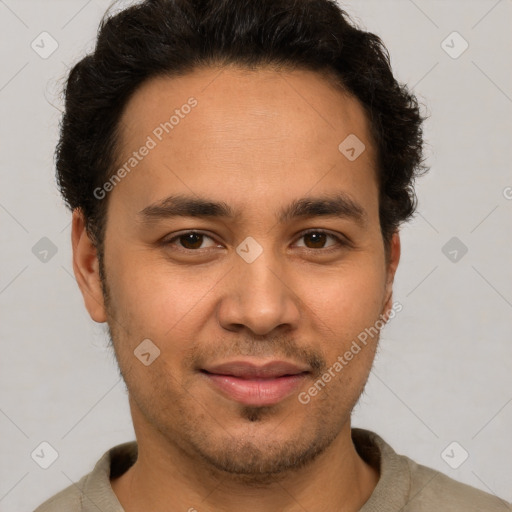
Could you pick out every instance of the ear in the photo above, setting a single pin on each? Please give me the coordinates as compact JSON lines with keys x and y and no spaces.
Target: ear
{"x":86,"y":268}
{"x":392,"y":264}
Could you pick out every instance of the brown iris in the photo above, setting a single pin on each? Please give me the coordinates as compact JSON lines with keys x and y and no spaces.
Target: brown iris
{"x":318,"y":239}
{"x":194,"y":239}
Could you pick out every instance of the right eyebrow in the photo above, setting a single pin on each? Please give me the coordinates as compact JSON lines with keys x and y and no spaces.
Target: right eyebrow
{"x":186,"y":206}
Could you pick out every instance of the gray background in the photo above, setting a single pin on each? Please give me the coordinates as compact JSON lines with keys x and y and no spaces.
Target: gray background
{"x":444,"y":370}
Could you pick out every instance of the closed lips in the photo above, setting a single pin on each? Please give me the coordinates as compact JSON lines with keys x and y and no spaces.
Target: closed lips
{"x":247,"y":370}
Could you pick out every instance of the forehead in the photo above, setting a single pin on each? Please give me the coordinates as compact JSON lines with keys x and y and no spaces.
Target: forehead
{"x":251,"y":100}
{"x":243,"y":131}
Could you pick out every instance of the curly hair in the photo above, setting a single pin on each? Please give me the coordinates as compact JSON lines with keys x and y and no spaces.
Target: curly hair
{"x":174,"y":37}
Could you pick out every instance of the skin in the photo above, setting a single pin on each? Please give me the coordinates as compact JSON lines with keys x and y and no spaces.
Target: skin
{"x":300,"y":300}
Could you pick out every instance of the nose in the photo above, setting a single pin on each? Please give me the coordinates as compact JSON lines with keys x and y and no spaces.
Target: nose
{"x":259,"y":297}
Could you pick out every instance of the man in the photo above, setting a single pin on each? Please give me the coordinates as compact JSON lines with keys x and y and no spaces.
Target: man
{"x":238,"y":172}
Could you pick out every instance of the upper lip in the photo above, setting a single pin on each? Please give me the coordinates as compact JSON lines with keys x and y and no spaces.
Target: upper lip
{"x":250,"y":370}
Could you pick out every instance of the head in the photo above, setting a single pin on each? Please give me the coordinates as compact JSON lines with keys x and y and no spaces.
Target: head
{"x":238,"y":172}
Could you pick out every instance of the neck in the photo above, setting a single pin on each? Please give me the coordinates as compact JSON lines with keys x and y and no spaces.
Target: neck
{"x":166,"y":479}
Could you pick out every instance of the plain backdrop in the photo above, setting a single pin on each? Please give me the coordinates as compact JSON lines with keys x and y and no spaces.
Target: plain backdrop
{"x":444,"y":370}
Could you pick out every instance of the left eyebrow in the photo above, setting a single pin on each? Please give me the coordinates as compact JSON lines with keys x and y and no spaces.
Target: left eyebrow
{"x":340,"y":205}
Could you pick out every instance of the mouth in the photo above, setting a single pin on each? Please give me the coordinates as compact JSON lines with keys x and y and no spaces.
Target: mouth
{"x":256,"y":385}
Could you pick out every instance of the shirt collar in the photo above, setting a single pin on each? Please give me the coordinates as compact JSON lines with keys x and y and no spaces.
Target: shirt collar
{"x":390,"y":494}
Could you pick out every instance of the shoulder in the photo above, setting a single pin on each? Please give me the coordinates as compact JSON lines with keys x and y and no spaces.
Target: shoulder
{"x":432,"y":490}
{"x":408,"y":486}
{"x":67,"y":500}
{"x":93,"y":491}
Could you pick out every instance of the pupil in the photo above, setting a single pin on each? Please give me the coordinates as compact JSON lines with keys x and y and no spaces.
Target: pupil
{"x":317,"y":238}
{"x":189,"y":239}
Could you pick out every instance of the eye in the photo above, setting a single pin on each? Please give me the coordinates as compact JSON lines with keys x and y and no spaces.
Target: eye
{"x":190,"y":240}
{"x":193,"y":241}
{"x":316,"y":239}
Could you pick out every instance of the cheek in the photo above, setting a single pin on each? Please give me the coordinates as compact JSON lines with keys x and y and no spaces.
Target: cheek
{"x":159,"y":299}
{"x":348,"y":300}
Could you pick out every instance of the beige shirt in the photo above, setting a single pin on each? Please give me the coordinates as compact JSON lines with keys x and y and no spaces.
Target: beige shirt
{"x":404,"y":485}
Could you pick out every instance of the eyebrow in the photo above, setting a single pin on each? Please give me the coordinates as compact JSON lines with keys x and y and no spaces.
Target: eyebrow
{"x":338,"y":205}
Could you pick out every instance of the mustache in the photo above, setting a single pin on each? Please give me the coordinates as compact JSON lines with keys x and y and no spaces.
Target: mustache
{"x":201,"y":354}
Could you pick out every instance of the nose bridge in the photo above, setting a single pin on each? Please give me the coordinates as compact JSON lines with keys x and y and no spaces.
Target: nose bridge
{"x":260,"y":279}
{"x":259,"y":297}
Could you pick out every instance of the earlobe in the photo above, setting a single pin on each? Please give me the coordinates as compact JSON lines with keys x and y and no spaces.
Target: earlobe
{"x":392,"y":265}
{"x":86,"y":268}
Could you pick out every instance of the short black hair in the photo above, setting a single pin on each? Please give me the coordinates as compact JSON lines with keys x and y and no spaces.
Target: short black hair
{"x":173,"y":37}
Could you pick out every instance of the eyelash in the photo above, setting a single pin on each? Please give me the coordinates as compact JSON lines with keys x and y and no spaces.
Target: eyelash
{"x":340,"y":242}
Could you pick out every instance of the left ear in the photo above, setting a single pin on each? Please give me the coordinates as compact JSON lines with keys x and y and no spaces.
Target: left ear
{"x":392,"y":264}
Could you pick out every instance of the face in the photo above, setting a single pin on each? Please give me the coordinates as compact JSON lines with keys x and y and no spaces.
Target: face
{"x":257,"y":280}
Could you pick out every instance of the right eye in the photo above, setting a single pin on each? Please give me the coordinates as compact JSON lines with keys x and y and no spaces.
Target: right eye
{"x":188,"y":240}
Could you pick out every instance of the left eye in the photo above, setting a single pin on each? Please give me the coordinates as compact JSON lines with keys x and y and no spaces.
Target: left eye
{"x":318,"y":238}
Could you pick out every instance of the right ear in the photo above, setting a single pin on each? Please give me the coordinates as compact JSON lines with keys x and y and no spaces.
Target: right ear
{"x":86,"y":268}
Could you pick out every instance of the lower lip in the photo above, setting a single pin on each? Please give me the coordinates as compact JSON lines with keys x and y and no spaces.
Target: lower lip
{"x":256,"y":392}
